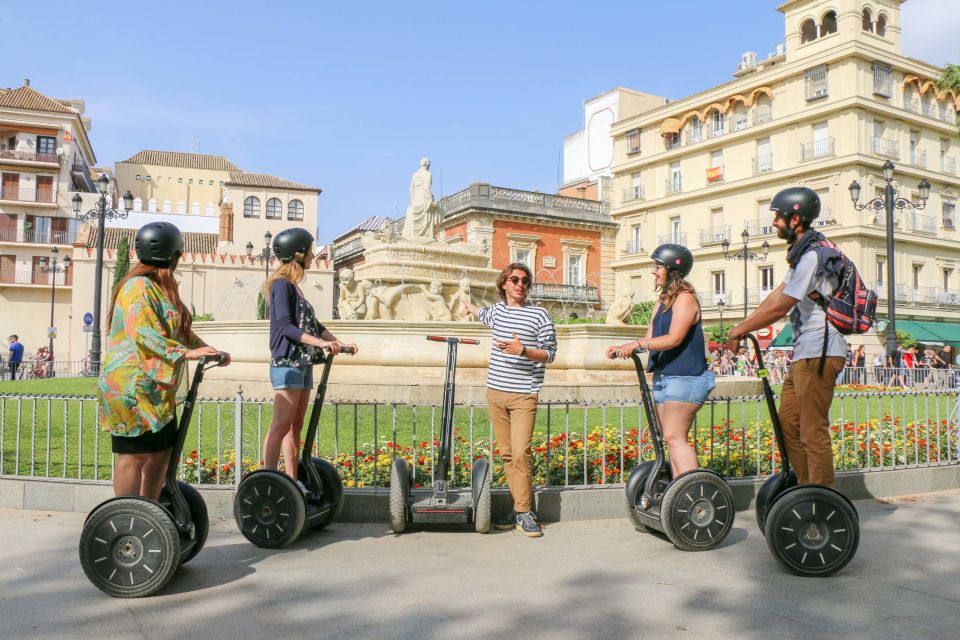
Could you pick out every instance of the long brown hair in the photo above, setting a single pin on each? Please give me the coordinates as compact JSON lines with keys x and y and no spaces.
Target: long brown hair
{"x":507,"y":270}
{"x":674,"y":287}
{"x":291,"y":271}
{"x":163,"y":278}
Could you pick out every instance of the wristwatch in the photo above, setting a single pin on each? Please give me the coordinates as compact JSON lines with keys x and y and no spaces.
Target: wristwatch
{"x":523,"y":351}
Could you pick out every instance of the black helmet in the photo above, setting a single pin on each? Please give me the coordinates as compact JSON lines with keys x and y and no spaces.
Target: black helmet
{"x":797,"y":201}
{"x":674,"y":256}
{"x":158,"y":244}
{"x":290,"y":241}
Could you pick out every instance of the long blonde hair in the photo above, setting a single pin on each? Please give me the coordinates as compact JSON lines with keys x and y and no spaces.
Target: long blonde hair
{"x":674,"y":287}
{"x":291,"y":271}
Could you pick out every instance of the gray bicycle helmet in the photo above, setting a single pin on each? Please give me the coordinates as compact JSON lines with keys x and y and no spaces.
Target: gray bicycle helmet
{"x":797,"y":201}
{"x":158,"y":244}
{"x":674,"y":257}
{"x":289,"y":242}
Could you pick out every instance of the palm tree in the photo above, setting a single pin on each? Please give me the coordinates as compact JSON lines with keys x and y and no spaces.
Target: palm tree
{"x":950,"y":79}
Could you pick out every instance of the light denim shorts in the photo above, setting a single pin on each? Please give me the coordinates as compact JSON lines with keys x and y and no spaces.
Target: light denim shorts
{"x":692,"y":389}
{"x":292,"y":377}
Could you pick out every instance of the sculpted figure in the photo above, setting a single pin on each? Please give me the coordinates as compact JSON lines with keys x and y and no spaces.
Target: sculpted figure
{"x":621,"y":308}
{"x":419,"y":220}
{"x":382,"y":300}
{"x":439,"y":309}
{"x":352,"y":304}
{"x":462,"y":299}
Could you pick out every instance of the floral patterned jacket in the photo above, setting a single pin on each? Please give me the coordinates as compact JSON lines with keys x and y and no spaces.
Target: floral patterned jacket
{"x":143,"y":365}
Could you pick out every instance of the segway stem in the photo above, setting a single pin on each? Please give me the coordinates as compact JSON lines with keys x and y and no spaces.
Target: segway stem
{"x":763,"y":374}
{"x":653,"y":419}
{"x":181,"y":511}
{"x":306,"y":452}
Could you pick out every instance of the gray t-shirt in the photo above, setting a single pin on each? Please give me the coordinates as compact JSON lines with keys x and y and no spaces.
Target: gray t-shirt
{"x":807,"y":317}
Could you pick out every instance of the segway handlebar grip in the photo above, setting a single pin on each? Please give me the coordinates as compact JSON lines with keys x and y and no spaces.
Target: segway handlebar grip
{"x":469,"y":341}
{"x":437,"y":338}
{"x":346,"y":349}
{"x":219,"y":359}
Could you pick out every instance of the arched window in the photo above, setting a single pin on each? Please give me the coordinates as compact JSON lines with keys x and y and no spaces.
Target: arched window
{"x":867,"y":20}
{"x":295,"y":210}
{"x":274,"y":209}
{"x":251,"y":207}
{"x":881,"y":25}
{"x":808,"y":31}
{"x":828,"y":23}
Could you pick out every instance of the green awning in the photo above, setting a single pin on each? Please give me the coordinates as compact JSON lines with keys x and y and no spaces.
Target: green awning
{"x":932,"y":333}
{"x":784,"y":339}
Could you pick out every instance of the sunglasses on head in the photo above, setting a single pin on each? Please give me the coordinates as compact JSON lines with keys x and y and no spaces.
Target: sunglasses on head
{"x":517,"y":279}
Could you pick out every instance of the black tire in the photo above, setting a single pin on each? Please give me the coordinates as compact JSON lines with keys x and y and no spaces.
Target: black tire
{"x":269,"y":509}
{"x":813,"y":530}
{"x":482,"y":510}
{"x":697,"y":511}
{"x":199,"y":515}
{"x":129,"y":547}
{"x":399,"y":474}
{"x":332,"y":491}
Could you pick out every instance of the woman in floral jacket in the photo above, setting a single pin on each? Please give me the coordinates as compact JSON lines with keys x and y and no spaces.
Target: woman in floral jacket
{"x":148,"y":343}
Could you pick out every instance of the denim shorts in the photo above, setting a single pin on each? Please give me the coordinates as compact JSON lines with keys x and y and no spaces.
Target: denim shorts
{"x":292,"y":377}
{"x":692,"y":389}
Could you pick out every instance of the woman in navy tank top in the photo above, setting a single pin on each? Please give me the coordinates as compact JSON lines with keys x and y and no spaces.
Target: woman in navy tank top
{"x":681,"y":380}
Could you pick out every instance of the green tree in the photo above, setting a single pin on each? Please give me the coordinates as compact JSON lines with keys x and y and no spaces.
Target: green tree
{"x":905,"y":338}
{"x":261,"y":307}
{"x":123,"y":263}
{"x":718,"y":333}
{"x":950,"y":80}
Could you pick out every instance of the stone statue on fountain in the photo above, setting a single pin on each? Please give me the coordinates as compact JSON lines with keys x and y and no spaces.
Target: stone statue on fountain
{"x":423,"y":213}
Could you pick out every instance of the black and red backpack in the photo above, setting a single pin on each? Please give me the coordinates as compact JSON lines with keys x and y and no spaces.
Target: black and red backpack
{"x":853,"y":307}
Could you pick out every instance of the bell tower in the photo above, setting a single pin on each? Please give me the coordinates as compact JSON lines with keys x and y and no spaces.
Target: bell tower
{"x":812,"y":26}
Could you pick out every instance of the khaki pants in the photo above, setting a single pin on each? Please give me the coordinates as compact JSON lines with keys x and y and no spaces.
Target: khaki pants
{"x":805,"y":418}
{"x":513,"y":415}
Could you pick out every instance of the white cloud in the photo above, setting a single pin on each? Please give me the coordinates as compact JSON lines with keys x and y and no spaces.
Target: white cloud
{"x":929,"y":30}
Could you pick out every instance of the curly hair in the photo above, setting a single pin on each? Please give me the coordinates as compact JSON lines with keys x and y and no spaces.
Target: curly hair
{"x":674,"y":286}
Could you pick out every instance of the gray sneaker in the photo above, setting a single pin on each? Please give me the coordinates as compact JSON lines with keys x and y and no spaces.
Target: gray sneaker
{"x":527,"y":524}
{"x":507,"y":522}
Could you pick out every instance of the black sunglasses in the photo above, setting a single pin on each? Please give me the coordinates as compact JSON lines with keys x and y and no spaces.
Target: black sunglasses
{"x":516,"y":279}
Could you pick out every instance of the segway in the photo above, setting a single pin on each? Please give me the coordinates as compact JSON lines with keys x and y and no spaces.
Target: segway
{"x":130,"y":546}
{"x":811,"y":529}
{"x":270,"y":508}
{"x":695,"y":510}
{"x":443,"y":504}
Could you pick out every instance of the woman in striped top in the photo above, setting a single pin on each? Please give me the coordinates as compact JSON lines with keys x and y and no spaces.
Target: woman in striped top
{"x":523,"y":343}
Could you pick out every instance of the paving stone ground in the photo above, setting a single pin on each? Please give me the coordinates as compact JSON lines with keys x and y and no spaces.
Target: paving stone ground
{"x":583,"y":579}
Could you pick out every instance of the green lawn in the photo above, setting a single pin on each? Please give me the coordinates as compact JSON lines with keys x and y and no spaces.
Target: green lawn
{"x":51,"y":387}
{"x":49,"y":436}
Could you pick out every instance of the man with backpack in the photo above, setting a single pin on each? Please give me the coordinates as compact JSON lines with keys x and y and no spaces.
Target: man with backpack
{"x":819,"y":274}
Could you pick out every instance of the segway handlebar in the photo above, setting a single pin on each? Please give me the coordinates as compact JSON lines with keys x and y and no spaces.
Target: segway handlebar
{"x":347,"y":350}
{"x":457,"y":340}
{"x":218,"y":360}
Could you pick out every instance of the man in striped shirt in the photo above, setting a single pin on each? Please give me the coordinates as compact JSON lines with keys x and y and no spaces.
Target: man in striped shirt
{"x":524,"y":341}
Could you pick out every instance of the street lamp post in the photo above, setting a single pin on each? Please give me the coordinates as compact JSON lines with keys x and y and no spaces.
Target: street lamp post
{"x":746,"y":256}
{"x":890,"y":200}
{"x":100,"y":213}
{"x":723,"y":332}
{"x":265,"y":254}
{"x":53,"y":270}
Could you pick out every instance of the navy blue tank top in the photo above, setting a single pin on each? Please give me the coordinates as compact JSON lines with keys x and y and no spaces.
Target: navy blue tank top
{"x":686,"y":359}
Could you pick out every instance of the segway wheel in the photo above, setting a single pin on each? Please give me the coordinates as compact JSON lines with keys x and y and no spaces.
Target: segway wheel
{"x":697,"y":511}
{"x":332,"y":490}
{"x":129,"y":547}
{"x":813,"y":530}
{"x":483,"y":508}
{"x":199,"y":515}
{"x":399,"y":489}
{"x":269,"y":509}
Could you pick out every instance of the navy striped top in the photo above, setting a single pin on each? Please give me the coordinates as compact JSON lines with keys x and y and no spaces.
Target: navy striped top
{"x":532,"y":324}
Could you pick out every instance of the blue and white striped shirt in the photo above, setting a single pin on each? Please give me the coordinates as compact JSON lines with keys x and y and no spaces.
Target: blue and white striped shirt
{"x":518,"y":374}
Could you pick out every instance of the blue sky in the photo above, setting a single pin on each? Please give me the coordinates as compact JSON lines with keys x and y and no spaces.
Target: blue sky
{"x":349,"y":96}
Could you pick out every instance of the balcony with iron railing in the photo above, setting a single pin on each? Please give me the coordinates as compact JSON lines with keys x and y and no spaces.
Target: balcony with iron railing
{"x":348,"y":250}
{"x":36,"y":276}
{"x":32,"y":196}
{"x":948,"y":165}
{"x":900,"y":291}
{"x":38,"y":236}
{"x":825,"y":218}
{"x":761,"y":227}
{"x":817,"y":149}
{"x":885,"y":147}
{"x":14,"y":156}
{"x":482,"y":195}
{"x":632,"y":194}
{"x":710,"y":299}
{"x":921,"y":224}
{"x":633,"y":248}
{"x":936,"y":111}
{"x":81,"y":173}
{"x":924,"y":295}
{"x":763,"y":163}
{"x":673,"y":238}
{"x":564,"y":293}
{"x":756,"y":295}
{"x":948,"y":297}
{"x":917,"y":158}
{"x":714,"y":235}
{"x":673,"y":185}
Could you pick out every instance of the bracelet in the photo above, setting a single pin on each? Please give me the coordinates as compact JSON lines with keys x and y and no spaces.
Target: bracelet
{"x":523,"y":351}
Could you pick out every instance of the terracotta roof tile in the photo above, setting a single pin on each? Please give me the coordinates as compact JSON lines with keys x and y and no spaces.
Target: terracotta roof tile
{"x":193,"y":242}
{"x":262,"y":180}
{"x":183,"y":160}
{"x":26,"y":97}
